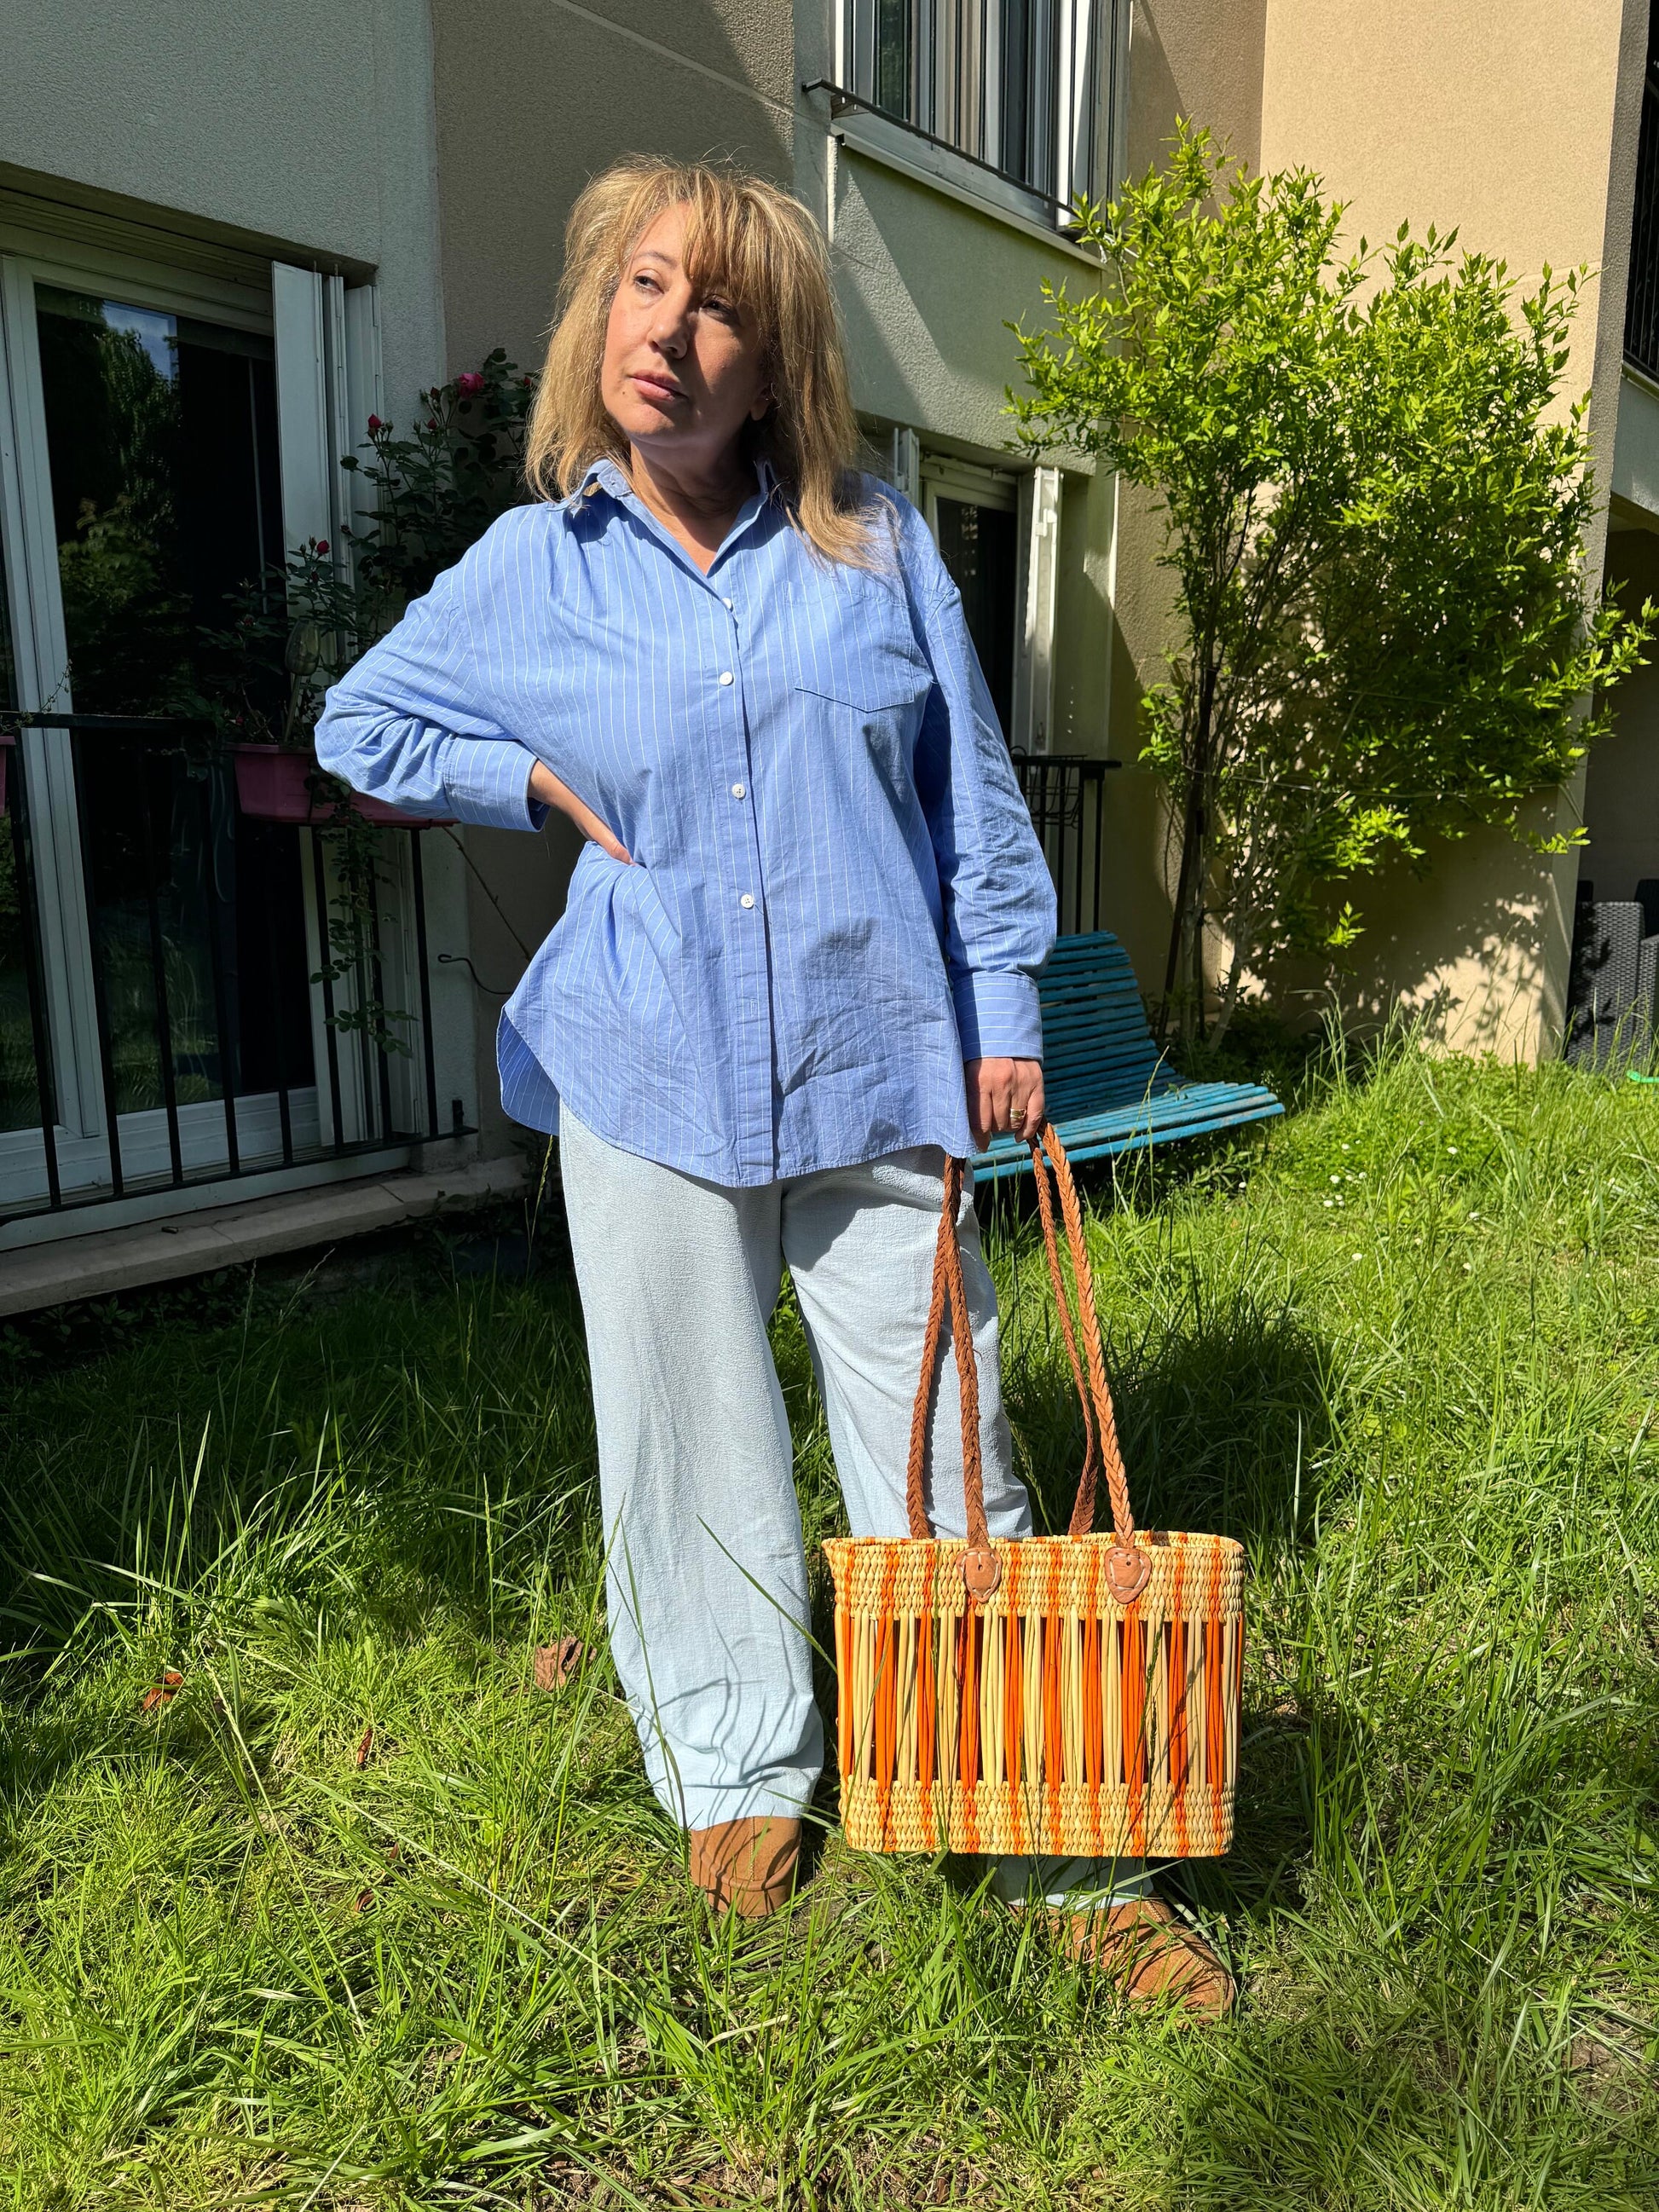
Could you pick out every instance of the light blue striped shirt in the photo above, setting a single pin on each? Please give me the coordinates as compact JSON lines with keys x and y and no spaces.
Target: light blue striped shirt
{"x":837,"y":896}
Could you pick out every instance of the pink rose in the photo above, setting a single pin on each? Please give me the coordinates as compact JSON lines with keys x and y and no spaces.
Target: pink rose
{"x":469,"y":385}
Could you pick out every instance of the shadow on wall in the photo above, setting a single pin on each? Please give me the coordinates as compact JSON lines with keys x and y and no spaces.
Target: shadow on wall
{"x":1205,"y":64}
{"x":531,"y":101}
{"x":1476,"y":951}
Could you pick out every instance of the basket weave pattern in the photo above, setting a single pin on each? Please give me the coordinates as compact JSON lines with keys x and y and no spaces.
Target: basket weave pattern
{"x":1075,"y":1695}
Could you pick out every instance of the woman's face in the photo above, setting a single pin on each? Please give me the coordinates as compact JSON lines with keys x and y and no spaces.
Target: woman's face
{"x":684,"y":369}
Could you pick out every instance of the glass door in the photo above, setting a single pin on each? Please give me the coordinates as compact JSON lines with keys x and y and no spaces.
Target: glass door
{"x":973,"y":515}
{"x":168,"y":932}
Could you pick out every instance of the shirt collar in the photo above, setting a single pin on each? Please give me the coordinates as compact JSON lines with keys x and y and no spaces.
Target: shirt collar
{"x":605,"y":475}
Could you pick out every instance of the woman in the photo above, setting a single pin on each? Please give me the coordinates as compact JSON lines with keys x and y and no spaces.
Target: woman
{"x":797,"y":965}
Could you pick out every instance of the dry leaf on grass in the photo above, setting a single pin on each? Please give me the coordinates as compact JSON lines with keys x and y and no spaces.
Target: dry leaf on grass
{"x":365,"y":1748}
{"x":557,"y":1662}
{"x":163,"y":1692}
{"x":362,"y":1900}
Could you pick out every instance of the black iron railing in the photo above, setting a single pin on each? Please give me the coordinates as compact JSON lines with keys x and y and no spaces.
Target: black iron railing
{"x":206,"y":1014}
{"x":1642,"y":292}
{"x":1066,"y":794}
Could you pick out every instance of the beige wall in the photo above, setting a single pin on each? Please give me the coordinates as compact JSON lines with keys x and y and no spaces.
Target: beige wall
{"x":1200,"y":59}
{"x":1519,"y":127}
{"x":533,"y":98}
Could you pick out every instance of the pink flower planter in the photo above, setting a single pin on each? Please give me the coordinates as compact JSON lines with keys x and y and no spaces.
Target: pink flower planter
{"x":270,"y":787}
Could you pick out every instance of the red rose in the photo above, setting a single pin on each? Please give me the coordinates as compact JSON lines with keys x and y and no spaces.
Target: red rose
{"x":322,"y":544}
{"x":374,"y":424}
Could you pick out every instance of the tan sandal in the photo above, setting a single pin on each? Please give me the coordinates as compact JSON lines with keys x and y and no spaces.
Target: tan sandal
{"x":747,"y":1866}
{"x":1152,"y":1956}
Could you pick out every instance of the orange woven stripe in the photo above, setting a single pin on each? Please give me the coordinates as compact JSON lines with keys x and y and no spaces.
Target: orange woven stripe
{"x":926,"y":1708}
{"x":1175,"y":1703}
{"x":1176,"y":1696}
{"x":1091,"y":1743}
{"x":1215,"y":1716}
{"x":1134,"y":1725}
{"x":886,"y":1697}
{"x":1052,"y":1754}
{"x":844,"y":1699}
{"x":968,"y":1741}
{"x":1013,"y":1694}
{"x":968,"y":1769}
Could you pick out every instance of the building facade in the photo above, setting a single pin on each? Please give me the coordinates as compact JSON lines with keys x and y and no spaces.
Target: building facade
{"x":228,"y":236}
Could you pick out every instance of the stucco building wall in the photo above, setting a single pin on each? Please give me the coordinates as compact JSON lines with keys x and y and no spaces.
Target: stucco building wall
{"x":1521,"y":133}
{"x":303,"y":124}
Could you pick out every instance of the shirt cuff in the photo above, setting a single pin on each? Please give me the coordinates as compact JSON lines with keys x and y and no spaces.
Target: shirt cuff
{"x":487,"y":781}
{"x":999,"y":1015}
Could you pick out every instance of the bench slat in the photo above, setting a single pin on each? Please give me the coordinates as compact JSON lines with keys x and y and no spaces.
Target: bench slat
{"x":1110,"y":1088}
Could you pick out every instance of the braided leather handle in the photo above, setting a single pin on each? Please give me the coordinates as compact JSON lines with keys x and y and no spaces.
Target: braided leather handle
{"x":1126,"y":1565}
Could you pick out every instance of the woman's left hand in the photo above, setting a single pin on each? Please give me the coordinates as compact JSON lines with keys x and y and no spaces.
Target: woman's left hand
{"x":1004,"y":1094}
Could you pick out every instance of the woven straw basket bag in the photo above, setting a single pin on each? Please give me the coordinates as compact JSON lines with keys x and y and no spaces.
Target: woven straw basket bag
{"x":1064,"y":1695}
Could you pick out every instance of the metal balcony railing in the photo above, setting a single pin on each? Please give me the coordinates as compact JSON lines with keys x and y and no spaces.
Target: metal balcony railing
{"x":1066,"y":794}
{"x":215,"y":1049}
{"x":1642,"y":293}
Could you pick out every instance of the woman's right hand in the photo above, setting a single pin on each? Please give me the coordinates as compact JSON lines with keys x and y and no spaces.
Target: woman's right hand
{"x":546,"y":787}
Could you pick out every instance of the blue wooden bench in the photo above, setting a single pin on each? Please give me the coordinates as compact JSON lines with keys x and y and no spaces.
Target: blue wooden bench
{"x":1108,"y":1088}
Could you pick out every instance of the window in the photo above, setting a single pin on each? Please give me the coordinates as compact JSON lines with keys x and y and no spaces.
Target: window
{"x":167,"y":433}
{"x":160,"y":445}
{"x":973,"y":515}
{"x":1017,"y":86}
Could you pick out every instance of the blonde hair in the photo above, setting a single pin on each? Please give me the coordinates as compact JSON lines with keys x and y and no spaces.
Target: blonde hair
{"x":759,"y":242}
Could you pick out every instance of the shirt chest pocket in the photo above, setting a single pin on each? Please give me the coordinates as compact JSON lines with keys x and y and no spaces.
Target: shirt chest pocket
{"x":874,"y":686}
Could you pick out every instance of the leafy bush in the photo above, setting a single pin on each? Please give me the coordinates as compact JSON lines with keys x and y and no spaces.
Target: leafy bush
{"x":1375,"y":515}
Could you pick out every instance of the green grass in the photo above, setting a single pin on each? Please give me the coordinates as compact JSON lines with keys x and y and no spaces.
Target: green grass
{"x":1408,"y":1351}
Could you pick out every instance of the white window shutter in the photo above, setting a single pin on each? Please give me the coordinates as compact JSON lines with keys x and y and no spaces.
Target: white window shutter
{"x":1033,"y":674}
{"x":907,"y":465}
{"x":302,"y":410}
{"x":340,"y":501}
{"x":328,"y":385}
{"x":364,"y":395}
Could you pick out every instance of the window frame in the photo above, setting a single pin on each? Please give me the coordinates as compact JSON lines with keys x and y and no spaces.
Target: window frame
{"x":1078,"y":123}
{"x":347,"y":388}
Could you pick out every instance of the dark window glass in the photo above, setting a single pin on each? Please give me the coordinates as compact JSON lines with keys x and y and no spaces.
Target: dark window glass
{"x":165,"y":488}
{"x":162,"y":433}
{"x":978,"y":545}
{"x":892,"y":70}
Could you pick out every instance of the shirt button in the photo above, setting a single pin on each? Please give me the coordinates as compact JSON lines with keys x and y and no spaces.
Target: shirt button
{"x":737,"y":790}
{"x":747,"y":900}
{"x":726,"y":603}
{"x":726,"y":676}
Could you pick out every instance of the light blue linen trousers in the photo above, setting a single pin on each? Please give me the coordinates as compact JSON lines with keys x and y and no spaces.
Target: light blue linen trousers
{"x":706,"y":1575}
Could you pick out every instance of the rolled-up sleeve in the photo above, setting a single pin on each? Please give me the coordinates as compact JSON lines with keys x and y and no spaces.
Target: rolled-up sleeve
{"x":411,"y":723}
{"x":997,"y":896}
